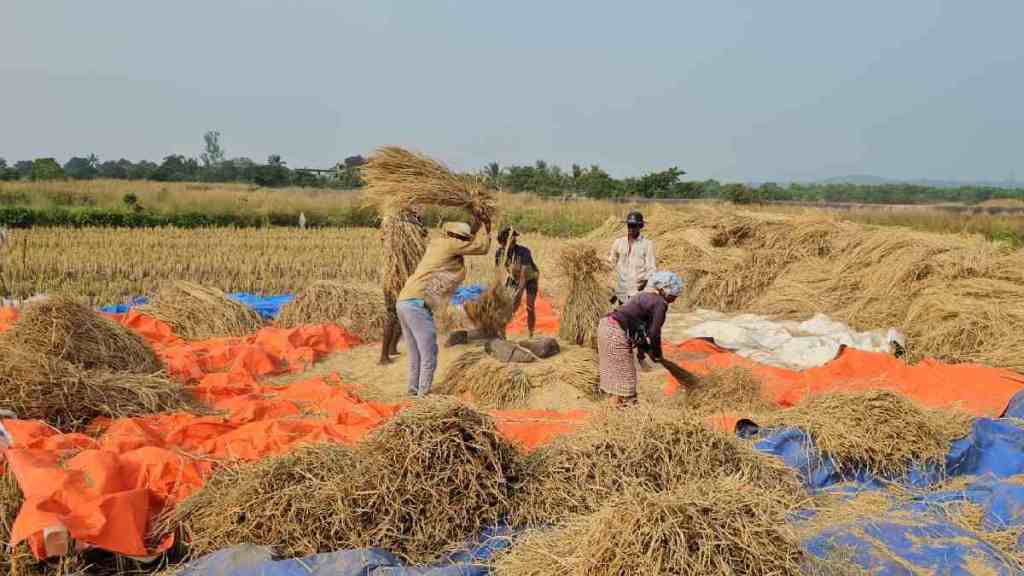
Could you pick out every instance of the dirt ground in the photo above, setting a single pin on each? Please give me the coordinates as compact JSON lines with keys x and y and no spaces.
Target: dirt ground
{"x":358,"y":366}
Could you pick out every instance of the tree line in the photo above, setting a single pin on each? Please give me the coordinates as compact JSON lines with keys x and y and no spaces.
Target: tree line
{"x":540,"y":178}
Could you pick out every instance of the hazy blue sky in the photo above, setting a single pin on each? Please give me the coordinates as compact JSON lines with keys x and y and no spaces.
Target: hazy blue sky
{"x":755,"y":89}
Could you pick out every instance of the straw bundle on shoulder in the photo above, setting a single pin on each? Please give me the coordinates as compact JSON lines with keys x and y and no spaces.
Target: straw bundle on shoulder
{"x":587,"y":292}
{"x":717,"y":527}
{"x":39,"y":386}
{"x":487,"y":380}
{"x":63,"y":328}
{"x":403,"y":244}
{"x":726,"y":390}
{"x":408,"y":179}
{"x":357,"y":307}
{"x":197,"y":312}
{"x":300,"y":503}
{"x":650,"y":448}
{"x":441,"y":473}
{"x":874,"y":430}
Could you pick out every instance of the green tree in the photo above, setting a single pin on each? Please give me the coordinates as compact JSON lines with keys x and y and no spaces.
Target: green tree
{"x":214,"y":153}
{"x":82,"y":168}
{"x":46,"y":169}
{"x":176,"y":168}
{"x":24,"y":169}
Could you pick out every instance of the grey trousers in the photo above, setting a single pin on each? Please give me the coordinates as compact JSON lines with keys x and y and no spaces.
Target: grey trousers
{"x":421,"y":341}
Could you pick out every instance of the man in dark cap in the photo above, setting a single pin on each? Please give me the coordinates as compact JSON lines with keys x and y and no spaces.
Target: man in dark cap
{"x":633,"y":260}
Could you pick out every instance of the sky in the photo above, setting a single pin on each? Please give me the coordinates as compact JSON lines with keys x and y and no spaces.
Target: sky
{"x":728,"y":89}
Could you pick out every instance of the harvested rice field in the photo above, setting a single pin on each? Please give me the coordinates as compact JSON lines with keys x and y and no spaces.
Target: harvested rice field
{"x":852,"y":388}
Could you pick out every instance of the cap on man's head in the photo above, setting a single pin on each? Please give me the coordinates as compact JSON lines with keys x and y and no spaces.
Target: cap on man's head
{"x":635,"y":219}
{"x":458,"y":228}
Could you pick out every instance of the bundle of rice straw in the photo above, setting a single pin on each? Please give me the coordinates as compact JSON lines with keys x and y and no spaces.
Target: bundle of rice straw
{"x":300,"y":503}
{"x":487,"y":380}
{"x":875,"y":430}
{"x":440,"y":473}
{"x":409,"y":179}
{"x":587,"y":292}
{"x":493,"y":310}
{"x":574,"y":365}
{"x":63,"y":328}
{"x":197,"y":312}
{"x":403,"y":245}
{"x":650,"y":448}
{"x":421,"y":485}
{"x":720,"y":526}
{"x":357,"y":307}
{"x":39,"y":386}
{"x":726,"y":390}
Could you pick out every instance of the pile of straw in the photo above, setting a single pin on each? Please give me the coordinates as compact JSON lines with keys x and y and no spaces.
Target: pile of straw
{"x":726,"y":390}
{"x":10,"y":504}
{"x":653,"y":449}
{"x":359,"y":308}
{"x":197,"y":313}
{"x":486,"y":380}
{"x":419,"y":486}
{"x":720,"y":526}
{"x":65,"y":329}
{"x":875,"y":430}
{"x":39,"y":386}
{"x":300,"y":503}
{"x":492,"y":383}
{"x":409,"y":179}
{"x":403,"y":243}
{"x":587,"y":292}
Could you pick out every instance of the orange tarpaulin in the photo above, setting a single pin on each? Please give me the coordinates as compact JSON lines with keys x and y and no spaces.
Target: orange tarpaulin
{"x":547,"y":318}
{"x":975,"y":389}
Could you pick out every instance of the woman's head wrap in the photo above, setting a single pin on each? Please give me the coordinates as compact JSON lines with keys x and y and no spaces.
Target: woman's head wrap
{"x":668,"y":282}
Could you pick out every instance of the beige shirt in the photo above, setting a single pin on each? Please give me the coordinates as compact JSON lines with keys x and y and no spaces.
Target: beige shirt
{"x":632,"y":263}
{"x":443,"y":268}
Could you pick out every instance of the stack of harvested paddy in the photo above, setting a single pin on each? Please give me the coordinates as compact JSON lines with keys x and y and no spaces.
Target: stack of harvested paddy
{"x":875,"y":430}
{"x":300,"y":503}
{"x":720,"y":526}
{"x":440,"y":473}
{"x":359,"y":308}
{"x":63,"y":328}
{"x":197,"y":313}
{"x":649,"y":448}
{"x":409,"y":179}
{"x":726,"y":390}
{"x":421,"y":485}
{"x":39,"y":386}
{"x":587,"y":292}
{"x":490,"y":382}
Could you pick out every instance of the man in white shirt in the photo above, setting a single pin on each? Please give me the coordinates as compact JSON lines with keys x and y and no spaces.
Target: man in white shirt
{"x":633,"y":260}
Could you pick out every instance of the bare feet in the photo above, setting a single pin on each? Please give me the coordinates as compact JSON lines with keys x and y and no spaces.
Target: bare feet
{"x":385,"y":360}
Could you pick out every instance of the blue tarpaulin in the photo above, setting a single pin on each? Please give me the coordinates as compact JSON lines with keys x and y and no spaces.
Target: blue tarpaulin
{"x":124,"y":308}
{"x":268,"y":307}
{"x":467,"y":293}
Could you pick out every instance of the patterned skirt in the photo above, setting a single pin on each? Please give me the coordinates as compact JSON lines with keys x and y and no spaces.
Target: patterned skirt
{"x":615,"y":360}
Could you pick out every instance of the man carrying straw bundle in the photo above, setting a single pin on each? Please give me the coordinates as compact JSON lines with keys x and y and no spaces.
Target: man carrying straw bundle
{"x":523,"y":274}
{"x":634,"y":326}
{"x":632,"y":258}
{"x":438,"y":274}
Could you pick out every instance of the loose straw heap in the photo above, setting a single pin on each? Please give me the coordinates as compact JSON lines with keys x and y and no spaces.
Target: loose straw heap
{"x":409,"y":179}
{"x":359,"y":308}
{"x":38,"y":386}
{"x":648,"y":448}
{"x":875,"y":430}
{"x":422,"y":484}
{"x":197,"y":312}
{"x":492,"y":383}
{"x":726,"y":390}
{"x":716,"y":527}
{"x":63,"y":328}
{"x":587,"y":292}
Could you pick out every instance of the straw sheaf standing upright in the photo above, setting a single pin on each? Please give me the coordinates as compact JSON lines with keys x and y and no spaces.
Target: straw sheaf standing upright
{"x":409,"y":179}
{"x":587,"y":292}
